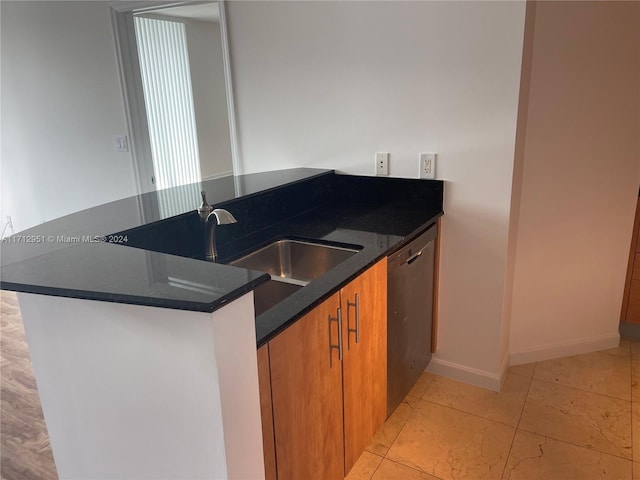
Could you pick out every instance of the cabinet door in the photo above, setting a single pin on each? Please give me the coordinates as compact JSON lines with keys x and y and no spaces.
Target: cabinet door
{"x":306,"y":385}
{"x":266,"y":412}
{"x":631,"y":299}
{"x":365,"y":359}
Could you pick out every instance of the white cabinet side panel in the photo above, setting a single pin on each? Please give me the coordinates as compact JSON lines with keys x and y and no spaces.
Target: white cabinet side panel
{"x":127,"y":391}
{"x":237,"y":360}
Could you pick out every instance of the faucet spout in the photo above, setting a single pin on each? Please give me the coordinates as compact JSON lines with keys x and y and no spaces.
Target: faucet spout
{"x":218,"y":216}
{"x":222,"y":217}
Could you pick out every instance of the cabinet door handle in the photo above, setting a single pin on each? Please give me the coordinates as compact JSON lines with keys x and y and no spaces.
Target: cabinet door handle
{"x":356,"y":330}
{"x":338,"y":345}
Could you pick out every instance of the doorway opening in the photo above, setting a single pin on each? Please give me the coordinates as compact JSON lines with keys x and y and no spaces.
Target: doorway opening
{"x":174,"y":65}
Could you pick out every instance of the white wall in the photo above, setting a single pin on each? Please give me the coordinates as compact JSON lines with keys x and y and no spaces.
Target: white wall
{"x":209,"y":97}
{"x":327,"y":84}
{"x":61,"y":106}
{"x":581,"y":166}
{"x":138,"y":392}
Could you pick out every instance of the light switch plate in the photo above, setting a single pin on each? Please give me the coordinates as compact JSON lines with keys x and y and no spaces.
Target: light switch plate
{"x":121,"y":143}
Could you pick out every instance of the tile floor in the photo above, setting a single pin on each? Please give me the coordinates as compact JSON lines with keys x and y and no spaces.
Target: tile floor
{"x":575,"y":418}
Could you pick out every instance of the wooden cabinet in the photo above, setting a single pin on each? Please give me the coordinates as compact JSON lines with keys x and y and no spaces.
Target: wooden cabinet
{"x":266,"y":408}
{"x":328,"y":382}
{"x":306,"y":389}
{"x":631,"y":300}
{"x":364,"y":370}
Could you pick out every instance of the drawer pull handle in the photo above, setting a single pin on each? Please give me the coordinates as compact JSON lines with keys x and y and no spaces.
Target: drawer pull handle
{"x":356,"y":330}
{"x":338,"y":345}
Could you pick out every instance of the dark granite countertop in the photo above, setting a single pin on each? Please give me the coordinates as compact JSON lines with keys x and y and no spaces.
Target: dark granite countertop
{"x":378,"y":230}
{"x":166,"y":268}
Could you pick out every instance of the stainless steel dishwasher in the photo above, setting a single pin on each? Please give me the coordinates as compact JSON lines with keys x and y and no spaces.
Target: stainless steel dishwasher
{"x":409,"y":315}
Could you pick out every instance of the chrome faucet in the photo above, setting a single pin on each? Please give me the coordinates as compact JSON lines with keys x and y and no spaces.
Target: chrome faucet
{"x":218,"y":216}
{"x":211,"y":218}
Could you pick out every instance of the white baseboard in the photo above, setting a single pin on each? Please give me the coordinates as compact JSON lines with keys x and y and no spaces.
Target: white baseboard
{"x":565,"y":349}
{"x":480,"y":378}
{"x":494,"y":381}
{"x":217,"y":175}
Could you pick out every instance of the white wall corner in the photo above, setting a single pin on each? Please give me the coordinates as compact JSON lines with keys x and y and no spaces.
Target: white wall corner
{"x":463,"y":373}
{"x":565,"y":349}
{"x":236,"y":357}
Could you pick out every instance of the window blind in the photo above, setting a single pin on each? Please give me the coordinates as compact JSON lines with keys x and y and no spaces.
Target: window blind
{"x":166,"y":81}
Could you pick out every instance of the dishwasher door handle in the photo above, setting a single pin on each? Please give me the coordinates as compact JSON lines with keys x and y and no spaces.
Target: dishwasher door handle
{"x":413,"y":258}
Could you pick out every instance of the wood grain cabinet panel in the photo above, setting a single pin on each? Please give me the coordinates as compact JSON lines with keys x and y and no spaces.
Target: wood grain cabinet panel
{"x":306,"y":385}
{"x":326,"y":379}
{"x":266,"y":411}
{"x":635,"y":275}
{"x":633,"y":310}
{"x":364,"y":303}
{"x":630,"y":311}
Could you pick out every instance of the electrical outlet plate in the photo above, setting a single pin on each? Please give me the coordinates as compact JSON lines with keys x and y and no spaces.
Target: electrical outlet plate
{"x":428,"y":165}
{"x":382,"y":163}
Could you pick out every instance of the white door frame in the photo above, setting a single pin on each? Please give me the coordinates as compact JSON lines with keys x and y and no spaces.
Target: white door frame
{"x":131,"y":82}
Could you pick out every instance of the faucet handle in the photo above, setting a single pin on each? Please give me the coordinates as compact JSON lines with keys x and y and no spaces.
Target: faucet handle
{"x":205,"y":209}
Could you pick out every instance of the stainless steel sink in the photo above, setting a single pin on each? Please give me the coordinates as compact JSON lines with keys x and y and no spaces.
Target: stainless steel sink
{"x":295,"y":261}
{"x":268,"y":294}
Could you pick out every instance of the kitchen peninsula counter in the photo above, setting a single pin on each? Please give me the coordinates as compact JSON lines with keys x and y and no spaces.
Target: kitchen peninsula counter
{"x":73,"y":257}
{"x":116,"y":374}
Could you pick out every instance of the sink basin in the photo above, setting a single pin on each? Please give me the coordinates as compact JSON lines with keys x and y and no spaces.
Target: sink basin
{"x":295,"y":261}
{"x":268,"y":294}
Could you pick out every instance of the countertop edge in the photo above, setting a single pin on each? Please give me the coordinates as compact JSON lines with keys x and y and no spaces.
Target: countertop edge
{"x":325,"y":292}
{"x":139,"y":300}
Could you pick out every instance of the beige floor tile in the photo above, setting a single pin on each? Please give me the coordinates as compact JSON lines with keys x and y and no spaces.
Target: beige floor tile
{"x":452,"y":445}
{"x":421,"y":385}
{"x":534,"y":457}
{"x":625,"y":344}
{"x":389,"y":470}
{"x":364,"y":467}
{"x":635,"y":371}
{"x":388,"y":432}
{"x":505,"y":406}
{"x":526,"y":369}
{"x":606,"y":372}
{"x":590,"y":420}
